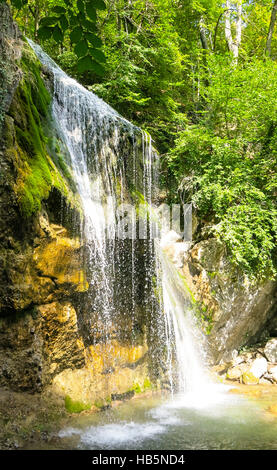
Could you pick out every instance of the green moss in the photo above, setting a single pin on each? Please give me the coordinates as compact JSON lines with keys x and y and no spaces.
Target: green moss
{"x":75,"y":406}
{"x":147,"y":385}
{"x":37,"y":171}
{"x":136,"y":388}
{"x":100,"y":403}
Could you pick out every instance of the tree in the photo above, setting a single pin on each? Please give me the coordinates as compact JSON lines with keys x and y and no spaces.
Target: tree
{"x":74,"y":18}
{"x":271,"y":29}
{"x":233,"y":44}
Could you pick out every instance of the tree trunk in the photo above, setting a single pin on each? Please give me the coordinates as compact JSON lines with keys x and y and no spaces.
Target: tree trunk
{"x":233,"y":45}
{"x":271,"y":29}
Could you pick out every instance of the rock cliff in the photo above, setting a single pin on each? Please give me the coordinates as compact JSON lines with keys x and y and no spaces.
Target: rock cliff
{"x":46,"y":340}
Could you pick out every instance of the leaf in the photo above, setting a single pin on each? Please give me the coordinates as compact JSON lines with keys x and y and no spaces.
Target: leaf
{"x":99,"y":4}
{"x":76,"y":34}
{"x":98,"y":55}
{"x":17,"y":4}
{"x":81,"y":6}
{"x":64,"y":22}
{"x":59,"y":9}
{"x":45,"y":32}
{"x":57,"y":34}
{"x":90,"y":26}
{"x":49,"y":21}
{"x":81,"y":48}
{"x":85,"y":63}
{"x":97,"y":68}
{"x":94,"y":40}
{"x":73,"y":20}
{"x":91,"y":12}
{"x":81,"y":17}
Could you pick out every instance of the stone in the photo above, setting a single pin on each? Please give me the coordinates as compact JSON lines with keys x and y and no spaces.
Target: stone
{"x":273,"y":409}
{"x":60,"y":260}
{"x":249,"y":379}
{"x":235,"y":373}
{"x":273,"y":373}
{"x":259,"y":367}
{"x":169,"y":238}
{"x":270,"y":350}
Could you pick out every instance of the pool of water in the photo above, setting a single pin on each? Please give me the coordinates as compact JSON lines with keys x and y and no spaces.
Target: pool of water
{"x":214,"y":420}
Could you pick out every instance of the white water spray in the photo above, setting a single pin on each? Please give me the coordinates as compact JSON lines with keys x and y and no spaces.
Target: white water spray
{"x":92,"y":132}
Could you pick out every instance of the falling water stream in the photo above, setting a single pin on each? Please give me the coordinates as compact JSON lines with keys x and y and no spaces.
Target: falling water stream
{"x":199,"y":414}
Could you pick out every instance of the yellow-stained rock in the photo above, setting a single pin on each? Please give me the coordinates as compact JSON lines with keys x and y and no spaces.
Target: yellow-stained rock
{"x":235,"y":373}
{"x":249,"y":379}
{"x":103,"y":357}
{"x":273,"y":409}
{"x":110,"y":369}
{"x":61,"y":342}
{"x":59,"y":260}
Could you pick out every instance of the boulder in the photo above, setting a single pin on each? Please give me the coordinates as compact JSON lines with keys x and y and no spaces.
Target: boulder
{"x":249,"y":379}
{"x":235,"y":373}
{"x":259,"y":367}
{"x":271,"y":350}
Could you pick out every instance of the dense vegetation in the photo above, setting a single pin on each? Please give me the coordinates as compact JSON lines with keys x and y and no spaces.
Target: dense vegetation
{"x":201,"y":77}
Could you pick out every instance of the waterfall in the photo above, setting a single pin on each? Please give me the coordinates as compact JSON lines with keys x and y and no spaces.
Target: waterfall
{"x":183,"y":338}
{"x":95,"y":136}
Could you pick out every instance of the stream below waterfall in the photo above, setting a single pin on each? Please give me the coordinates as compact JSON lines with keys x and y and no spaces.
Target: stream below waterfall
{"x":222,"y":421}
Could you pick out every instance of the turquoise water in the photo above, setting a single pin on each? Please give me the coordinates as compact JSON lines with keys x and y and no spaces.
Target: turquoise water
{"x":224,"y":421}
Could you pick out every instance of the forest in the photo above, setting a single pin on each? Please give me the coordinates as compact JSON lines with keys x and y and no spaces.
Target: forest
{"x":201,"y":77}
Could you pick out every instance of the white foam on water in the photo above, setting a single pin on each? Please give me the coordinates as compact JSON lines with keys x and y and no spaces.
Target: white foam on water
{"x":110,"y":435}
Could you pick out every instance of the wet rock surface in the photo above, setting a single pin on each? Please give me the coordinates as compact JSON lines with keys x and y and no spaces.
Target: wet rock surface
{"x":232,"y":310}
{"x":49,"y":337}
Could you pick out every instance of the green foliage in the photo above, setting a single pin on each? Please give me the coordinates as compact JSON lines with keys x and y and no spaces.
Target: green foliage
{"x":75,"y":406}
{"x":226,"y":164}
{"x":36,"y":172}
{"x":58,"y":24}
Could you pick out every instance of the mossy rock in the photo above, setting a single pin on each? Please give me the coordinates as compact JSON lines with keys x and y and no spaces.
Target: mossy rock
{"x":38,"y":169}
{"x":249,"y":379}
{"x":75,"y":406}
